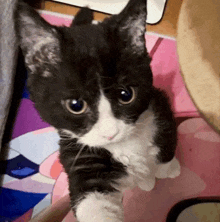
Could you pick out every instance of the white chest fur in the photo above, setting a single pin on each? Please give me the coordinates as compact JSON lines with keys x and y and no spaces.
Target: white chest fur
{"x":138,"y":153}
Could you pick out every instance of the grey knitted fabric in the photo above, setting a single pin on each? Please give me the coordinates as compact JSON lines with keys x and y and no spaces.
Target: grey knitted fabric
{"x":8,"y":59}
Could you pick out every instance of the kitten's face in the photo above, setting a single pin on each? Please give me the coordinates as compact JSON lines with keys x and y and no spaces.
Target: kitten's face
{"x":89,"y":81}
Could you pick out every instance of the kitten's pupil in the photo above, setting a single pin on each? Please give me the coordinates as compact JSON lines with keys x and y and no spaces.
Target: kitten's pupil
{"x":76,"y":106}
{"x":127,"y":95}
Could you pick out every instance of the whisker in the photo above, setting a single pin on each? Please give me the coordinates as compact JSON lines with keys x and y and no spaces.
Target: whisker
{"x":77,"y":156}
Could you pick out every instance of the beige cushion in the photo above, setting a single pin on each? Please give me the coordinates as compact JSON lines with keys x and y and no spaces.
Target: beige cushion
{"x":198,"y":45}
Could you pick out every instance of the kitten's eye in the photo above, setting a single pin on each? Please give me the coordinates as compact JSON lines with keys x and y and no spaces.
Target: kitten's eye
{"x":76,"y":106}
{"x":127,"y":95}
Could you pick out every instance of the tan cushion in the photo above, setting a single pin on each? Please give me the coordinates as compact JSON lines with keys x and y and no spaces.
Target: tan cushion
{"x":198,"y":45}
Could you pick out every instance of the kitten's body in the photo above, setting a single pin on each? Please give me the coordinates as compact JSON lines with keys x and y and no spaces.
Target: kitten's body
{"x":94,"y":84}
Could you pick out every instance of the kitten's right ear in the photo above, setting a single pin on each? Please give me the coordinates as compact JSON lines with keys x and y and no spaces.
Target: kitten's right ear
{"x":127,"y":29}
{"x":38,"y":39}
{"x":84,"y":16}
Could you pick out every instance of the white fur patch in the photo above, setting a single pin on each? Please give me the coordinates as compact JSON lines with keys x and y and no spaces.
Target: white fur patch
{"x":138,"y":153}
{"x":46,"y":74}
{"x":50,"y":52}
{"x":168,"y":170}
{"x":33,"y":38}
{"x":136,"y":29}
{"x":97,"y":207}
{"x":108,"y":129}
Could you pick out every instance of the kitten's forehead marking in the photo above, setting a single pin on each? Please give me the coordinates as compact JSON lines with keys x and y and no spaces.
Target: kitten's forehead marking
{"x":104,"y":105}
{"x":107,"y":121}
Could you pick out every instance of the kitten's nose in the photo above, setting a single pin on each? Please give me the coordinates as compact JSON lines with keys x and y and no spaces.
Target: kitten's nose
{"x":108,"y":128}
{"x":113,"y":136}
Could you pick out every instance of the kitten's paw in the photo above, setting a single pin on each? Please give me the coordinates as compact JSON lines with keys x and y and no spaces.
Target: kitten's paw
{"x":99,"y":207}
{"x":168,"y":170}
{"x":147,"y":185}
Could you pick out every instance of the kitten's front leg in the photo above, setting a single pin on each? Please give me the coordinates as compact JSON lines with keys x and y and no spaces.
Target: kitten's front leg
{"x":168,"y":170}
{"x":100,"y":207}
{"x":148,"y":184}
{"x":166,"y":137}
{"x":94,"y":182}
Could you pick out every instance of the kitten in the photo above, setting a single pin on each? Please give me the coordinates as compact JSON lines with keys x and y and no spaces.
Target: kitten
{"x":94,"y":84}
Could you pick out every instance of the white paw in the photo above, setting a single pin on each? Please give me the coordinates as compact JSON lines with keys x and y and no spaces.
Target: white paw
{"x":99,"y":207}
{"x":168,"y":170}
{"x":147,"y":185}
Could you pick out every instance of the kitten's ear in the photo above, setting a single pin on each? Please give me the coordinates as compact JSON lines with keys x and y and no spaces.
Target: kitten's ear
{"x":84,"y":16}
{"x":130,"y":26}
{"x":38,"y":39}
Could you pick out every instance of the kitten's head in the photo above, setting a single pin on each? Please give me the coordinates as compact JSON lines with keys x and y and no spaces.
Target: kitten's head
{"x":89,"y":81}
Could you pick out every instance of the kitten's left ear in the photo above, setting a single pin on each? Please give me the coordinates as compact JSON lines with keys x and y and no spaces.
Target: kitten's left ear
{"x":38,"y":39}
{"x":130,"y":26}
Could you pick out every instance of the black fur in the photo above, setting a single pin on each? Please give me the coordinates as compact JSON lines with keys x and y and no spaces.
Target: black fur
{"x":94,"y":170}
{"x":166,"y":136}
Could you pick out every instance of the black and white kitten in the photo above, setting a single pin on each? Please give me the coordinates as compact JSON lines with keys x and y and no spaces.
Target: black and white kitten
{"x":93,"y":83}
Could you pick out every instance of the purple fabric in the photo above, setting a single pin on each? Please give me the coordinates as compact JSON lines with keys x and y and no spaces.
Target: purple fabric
{"x":28,"y":119}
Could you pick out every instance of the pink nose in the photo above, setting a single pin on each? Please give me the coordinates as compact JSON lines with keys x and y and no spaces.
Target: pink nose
{"x":112,"y":137}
